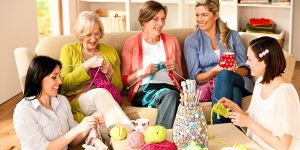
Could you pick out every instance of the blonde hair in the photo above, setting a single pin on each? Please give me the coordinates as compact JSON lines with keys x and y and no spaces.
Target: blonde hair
{"x":85,"y":24}
{"x":149,"y":9}
{"x":214,"y":7}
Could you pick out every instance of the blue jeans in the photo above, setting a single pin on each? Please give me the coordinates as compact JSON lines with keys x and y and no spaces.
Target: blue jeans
{"x":166,"y":103}
{"x":231,"y":86}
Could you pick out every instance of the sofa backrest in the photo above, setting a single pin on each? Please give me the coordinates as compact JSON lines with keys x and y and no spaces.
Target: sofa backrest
{"x":51,"y":46}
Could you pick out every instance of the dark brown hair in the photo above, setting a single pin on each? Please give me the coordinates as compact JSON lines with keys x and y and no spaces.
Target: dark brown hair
{"x":274,"y":59}
{"x":39,"y":68}
{"x":149,"y":9}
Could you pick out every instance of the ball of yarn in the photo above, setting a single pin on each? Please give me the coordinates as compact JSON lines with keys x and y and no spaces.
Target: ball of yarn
{"x":166,"y":145}
{"x":194,"y":146}
{"x":136,"y":139}
{"x":240,"y":147}
{"x":118,"y":132}
{"x":155,"y":134}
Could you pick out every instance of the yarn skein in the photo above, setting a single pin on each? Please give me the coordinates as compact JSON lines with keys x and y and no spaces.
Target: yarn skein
{"x":118,"y":132}
{"x":136,"y":139}
{"x":166,"y":145}
{"x":155,"y":134}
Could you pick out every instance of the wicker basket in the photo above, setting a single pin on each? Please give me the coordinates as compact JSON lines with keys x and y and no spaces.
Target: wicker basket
{"x":279,"y":36}
{"x":113,"y":21}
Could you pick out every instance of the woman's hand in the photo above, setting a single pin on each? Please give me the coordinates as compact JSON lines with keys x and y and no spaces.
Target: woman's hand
{"x":86,"y":124}
{"x":151,"y":69}
{"x":107,"y":69}
{"x":99,"y":119}
{"x":239,"y":119}
{"x":93,"y":62}
{"x":169,"y":64}
{"x":217,"y":69}
{"x":229,"y":104}
{"x":234,"y":67}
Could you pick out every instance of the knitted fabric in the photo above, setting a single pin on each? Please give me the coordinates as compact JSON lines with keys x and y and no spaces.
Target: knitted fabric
{"x":136,"y":139}
{"x":148,"y":100}
{"x":207,"y":90}
{"x":166,"y":145}
{"x":101,"y":82}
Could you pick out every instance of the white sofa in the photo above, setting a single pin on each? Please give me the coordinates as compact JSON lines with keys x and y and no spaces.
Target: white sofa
{"x":51,"y":47}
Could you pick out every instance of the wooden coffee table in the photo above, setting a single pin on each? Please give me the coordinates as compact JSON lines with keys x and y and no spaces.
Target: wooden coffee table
{"x":227,"y":133}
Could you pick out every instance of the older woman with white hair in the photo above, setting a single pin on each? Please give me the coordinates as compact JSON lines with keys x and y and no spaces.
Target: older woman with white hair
{"x":91,"y":77}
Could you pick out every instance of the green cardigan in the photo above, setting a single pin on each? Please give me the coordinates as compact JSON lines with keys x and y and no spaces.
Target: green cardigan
{"x":74,"y":76}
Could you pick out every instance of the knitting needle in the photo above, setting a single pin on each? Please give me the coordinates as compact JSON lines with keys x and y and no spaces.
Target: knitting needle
{"x":216,"y":99}
{"x":183,"y":85}
{"x":135,"y":82}
{"x":179,"y":75}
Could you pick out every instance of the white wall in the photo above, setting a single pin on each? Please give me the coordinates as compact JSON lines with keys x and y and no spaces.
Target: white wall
{"x":18,"y":29}
{"x":296,"y":34}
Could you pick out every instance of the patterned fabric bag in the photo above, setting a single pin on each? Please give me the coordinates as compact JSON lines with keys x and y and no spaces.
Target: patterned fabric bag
{"x":207,"y":90}
{"x":190,"y":125}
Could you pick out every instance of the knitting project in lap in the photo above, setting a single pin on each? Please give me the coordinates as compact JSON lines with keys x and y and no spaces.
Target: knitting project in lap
{"x":100,"y":81}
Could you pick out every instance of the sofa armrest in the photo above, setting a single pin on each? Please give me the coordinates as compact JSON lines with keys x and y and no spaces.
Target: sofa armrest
{"x":290,"y":66}
{"x":23,"y":57}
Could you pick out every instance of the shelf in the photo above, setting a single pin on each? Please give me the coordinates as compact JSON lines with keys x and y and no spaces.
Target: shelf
{"x":222,"y":3}
{"x":161,"y":1}
{"x":264,"y":5}
{"x":106,"y":1}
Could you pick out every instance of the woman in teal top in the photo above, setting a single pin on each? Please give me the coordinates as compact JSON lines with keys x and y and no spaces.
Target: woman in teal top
{"x":83,"y":64}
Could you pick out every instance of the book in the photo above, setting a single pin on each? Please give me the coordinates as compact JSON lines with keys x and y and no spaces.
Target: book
{"x":255,"y":1}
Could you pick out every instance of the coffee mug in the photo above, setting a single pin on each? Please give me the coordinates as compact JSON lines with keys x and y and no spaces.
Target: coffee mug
{"x":140,"y":124}
{"x":227,"y":60}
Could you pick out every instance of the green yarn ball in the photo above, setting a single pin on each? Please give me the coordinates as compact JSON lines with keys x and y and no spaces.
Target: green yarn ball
{"x":118,"y":132}
{"x":194,"y":146}
{"x":155,"y":134}
{"x":240,"y":147}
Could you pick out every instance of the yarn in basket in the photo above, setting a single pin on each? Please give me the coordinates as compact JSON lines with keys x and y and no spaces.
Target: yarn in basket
{"x":136,"y":139}
{"x":155,"y":134}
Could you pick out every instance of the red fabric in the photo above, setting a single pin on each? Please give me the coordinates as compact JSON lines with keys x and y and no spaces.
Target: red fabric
{"x":125,"y":80}
{"x":260,"y":21}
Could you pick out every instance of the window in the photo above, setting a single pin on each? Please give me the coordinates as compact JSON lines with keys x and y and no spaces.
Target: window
{"x":49,"y":18}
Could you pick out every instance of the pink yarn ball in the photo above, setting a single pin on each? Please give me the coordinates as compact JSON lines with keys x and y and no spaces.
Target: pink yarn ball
{"x":136,"y":139}
{"x":166,"y":145}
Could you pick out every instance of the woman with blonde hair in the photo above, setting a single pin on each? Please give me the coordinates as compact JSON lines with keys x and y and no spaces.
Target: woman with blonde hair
{"x":91,"y":77}
{"x":150,"y":61}
{"x":202,"y":50}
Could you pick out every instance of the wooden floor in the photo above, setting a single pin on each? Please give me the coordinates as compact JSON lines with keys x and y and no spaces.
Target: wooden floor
{"x":9,"y":140}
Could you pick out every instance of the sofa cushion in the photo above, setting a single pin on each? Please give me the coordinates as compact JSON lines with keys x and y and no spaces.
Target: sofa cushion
{"x":51,"y":46}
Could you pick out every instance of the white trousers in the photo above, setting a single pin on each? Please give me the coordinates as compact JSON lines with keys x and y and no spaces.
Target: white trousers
{"x":100,"y":100}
